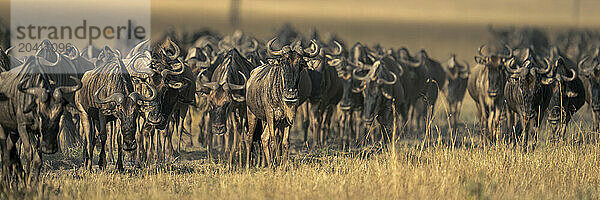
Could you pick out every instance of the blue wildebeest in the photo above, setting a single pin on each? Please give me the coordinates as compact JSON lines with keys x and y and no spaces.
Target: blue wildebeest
{"x":568,"y":92}
{"x":527,"y":93}
{"x":351,"y":103}
{"x":175,"y":83}
{"x":327,"y":93}
{"x":590,"y":73}
{"x":486,"y":86}
{"x":31,"y":108}
{"x":455,"y":89}
{"x":227,"y":99}
{"x":108,"y":95}
{"x":381,"y":88}
{"x":273,"y":93}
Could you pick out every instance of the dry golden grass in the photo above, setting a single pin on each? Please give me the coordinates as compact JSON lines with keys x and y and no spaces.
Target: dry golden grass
{"x":560,"y":171}
{"x":444,"y":171}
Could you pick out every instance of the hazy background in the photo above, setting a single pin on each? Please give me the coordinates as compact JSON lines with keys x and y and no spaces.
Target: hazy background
{"x":440,"y":27}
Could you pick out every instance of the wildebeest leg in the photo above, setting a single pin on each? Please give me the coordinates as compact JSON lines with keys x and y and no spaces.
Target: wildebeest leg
{"x":285,"y":144}
{"x":266,"y":144}
{"x":109,"y":137}
{"x":11,"y":163}
{"x":304,"y":122}
{"x":345,"y":129}
{"x":596,"y":116}
{"x":119,"y":164}
{"x":359,"y":139}
{"x":31,"y":155}
{"x":249,"y":137}
{"x":231,"y":132}
{"x":180,"y":128}
{"x":314,"y":119}
{"x":101,"y":126}
{"x":85,"y":130}
{"x":326,"y":123}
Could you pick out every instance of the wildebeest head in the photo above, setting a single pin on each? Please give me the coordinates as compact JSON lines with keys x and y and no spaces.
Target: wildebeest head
{"x":125,"y":107}
{"x":292,"y":61}
{"x":458,"y":75}
{"x":494,"y":58}
{"x":564,"y":76}
{"x":168,"y":79}
{"x":47,"y":107}
{"x":351,"y":96}
{"x":376,"y":82}
{"x":227,"y":89}
{"x":528,"y":78}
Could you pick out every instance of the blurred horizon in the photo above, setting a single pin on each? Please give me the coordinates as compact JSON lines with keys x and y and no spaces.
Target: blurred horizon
{"x":441,"y":27}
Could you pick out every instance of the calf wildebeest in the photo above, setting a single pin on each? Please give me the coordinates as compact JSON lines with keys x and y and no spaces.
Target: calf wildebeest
{"x":568,"y":92}
{"x":381,"y":89}
{"x":227,"y":98}
{"x":486,"y":86}
{"x":119,"y":102}
{"x":589,"y":68}
{"x":31,"y":108}
{"x":273,"y":93}
{"x":528,"y":92}
{"x":455,"y":89}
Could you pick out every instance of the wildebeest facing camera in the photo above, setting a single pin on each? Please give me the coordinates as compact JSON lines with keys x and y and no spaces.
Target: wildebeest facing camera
{"x":266,"y":99}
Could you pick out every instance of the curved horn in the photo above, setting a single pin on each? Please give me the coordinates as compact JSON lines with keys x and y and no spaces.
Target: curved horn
{"x":175,"y":47}
{"x":167,"y":72}
{"x":543,"y":71}
{"x":479,"y":50}
{"x":339,"y":49}
{"x":416,"y":65}
{"x":569,"y":79}
{"x":509,"y":67}
{"x":357,"y":77}
{"x":71,"y":89}
{"x":38,"y":92}
{"x":315,"y":52}
{"x":238,"y":87}
{"x":7,"y":51}
{"x":581,"y":64}
{"x":392,"y":82}
{"x":116,"y":97}
{"x":270,"y":50}
{"x":211,"y":85}
{"x":46,"y":63}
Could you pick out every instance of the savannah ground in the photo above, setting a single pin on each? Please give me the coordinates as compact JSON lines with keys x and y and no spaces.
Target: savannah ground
{"x":442,"y":166}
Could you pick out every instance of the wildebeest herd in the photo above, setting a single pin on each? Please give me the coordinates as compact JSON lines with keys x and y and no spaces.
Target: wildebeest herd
{"x":249,"y":93}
